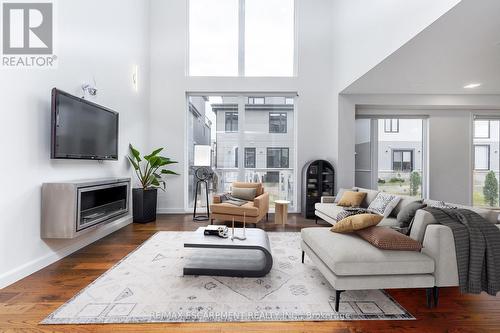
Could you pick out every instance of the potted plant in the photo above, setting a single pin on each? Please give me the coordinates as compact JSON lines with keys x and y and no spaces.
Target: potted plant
{"x":149,"y":169}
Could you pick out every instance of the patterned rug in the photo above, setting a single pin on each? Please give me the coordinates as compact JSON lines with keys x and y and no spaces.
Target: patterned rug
{"x":148,"y":286}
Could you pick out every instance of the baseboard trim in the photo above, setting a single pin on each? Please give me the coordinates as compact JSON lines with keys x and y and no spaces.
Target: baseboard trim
{"x":33,"y":266}
{"x":173,"y":211}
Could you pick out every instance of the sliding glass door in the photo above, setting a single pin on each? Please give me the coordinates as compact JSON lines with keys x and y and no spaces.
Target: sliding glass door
{"x":252,"y":139}
{"x":390,"y":155}
{"x":486,"y":162}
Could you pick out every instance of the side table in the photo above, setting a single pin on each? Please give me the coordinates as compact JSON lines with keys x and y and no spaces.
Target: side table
{"x":281,"y":211}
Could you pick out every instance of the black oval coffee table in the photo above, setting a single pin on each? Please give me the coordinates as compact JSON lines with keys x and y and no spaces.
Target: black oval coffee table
{"x":215,"y":256}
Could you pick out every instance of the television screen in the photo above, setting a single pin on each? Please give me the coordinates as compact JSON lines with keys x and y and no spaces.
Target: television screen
{"x":82,"y":129}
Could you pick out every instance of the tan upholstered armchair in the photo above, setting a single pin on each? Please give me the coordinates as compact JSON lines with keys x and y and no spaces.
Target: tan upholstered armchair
{"x":254,"y":211}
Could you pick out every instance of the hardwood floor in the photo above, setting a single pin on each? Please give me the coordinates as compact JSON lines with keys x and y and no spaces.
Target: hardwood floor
{"x":24,"y":304}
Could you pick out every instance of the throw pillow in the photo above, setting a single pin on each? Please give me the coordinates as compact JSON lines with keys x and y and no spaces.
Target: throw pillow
{"x":351,"y":199}
{"x":340,"y":193}
{"x":350,"y":211}
{"x":356,"y":222}
{"x":407,"y":213}
{"x":384,"y":204}
{"x":247,"y":194}
{"x":388,"y":239}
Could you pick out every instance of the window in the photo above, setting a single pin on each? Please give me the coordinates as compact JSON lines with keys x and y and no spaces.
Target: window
{"x":481,"y":157}
{"x":250,"y":154}
{"x":269,"y":37}
{"x":256,"y":100}
{"x":486,"y":159}
{"x":261,"y":44}
{"x":391,"y":162}
{"x":277,"y":158}
{"x":213,"y":37}
{"x":391,"y":125}
{"x":402,"y":160}
{"x":482,"y":129}
{"x":277,"y":122}
{"x":231,"y":121}
{"x":238,"y":134}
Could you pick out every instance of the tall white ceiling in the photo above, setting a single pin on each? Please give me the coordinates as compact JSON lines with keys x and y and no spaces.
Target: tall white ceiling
{"x":461,"y":47}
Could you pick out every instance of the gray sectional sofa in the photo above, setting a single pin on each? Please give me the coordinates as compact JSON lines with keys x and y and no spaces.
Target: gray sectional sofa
{"x":350,"y":263}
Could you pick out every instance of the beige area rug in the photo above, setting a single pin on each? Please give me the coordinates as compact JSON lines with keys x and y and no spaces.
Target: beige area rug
{"x":148,"y":286}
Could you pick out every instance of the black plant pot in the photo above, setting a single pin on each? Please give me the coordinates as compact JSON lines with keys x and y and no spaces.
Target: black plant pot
{"x":144,"y":205}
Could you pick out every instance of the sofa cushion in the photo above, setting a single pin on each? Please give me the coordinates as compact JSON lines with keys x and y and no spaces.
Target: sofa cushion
{"x":370,"y":196}
{"x":226,"y":208}
{"x":388,"y":239}
{"x":259,"y":189}
{"x":407,"y":213}
{"x":331,"y":210}
{"x":423,"y":218}
{"x":247,"y":194}
{"x":405,"y":200}
{"x":384,"y":204}
{"x":348,"y":254}
{"x":351,"y":199}
{"x":488,"y":214}
{"x":356,"y":222}
{"x":341,"y":192}
{"x":389,"y":222}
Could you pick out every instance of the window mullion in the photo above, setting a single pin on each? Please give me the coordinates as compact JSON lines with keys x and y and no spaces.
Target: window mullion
{"x":241,"y":38}
{"x":241,"y":137}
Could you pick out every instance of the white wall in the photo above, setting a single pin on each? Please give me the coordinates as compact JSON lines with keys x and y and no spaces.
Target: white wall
{"x":92,"y":41}
{"x":364,"y":33}
{"x":169,"y":85}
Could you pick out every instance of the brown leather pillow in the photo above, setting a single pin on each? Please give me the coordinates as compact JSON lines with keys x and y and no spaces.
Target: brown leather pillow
{"x":388,"y":239}
{"x":356,"y":222}
{"x":351,"y":199}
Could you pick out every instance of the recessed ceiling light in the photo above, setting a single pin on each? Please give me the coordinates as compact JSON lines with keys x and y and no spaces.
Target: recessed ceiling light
{"x":472,"y":85}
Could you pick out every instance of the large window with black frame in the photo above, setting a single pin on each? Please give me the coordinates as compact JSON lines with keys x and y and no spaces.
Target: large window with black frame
{"x":252,"y":139}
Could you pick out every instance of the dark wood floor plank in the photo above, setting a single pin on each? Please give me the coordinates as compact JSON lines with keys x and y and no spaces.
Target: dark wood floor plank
{"x":24,"y":304}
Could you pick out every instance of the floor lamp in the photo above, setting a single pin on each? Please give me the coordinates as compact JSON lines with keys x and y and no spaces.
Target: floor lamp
{"x":202,"y":157}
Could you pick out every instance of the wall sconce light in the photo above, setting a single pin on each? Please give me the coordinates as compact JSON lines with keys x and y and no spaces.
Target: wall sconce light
{"x":135,"y":77}
{"x":89,"y":89}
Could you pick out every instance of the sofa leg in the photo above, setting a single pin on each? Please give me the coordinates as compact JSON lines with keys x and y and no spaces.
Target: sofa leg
{"x":436,"y":296}
{"x":428,"y":297}
{"x":303,"y":253}
{"x":211,"y":221}
{"x":337,"y":299}
{"x":267,"y":217}
{"x":316,"y":220}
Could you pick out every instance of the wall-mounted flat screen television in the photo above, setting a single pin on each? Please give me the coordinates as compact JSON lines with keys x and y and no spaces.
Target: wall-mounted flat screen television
{"x":82,"y":129}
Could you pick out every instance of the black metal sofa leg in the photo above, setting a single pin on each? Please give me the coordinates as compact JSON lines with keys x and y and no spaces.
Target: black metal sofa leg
{"x":428,"y":297}
{"x":337,"y":299}
{"x":303,"y":253}
{"x":436,"y":296}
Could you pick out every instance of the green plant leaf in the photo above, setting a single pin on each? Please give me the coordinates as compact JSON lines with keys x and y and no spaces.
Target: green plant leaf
{"x":155,"y":181}
{"x":169,"y":172}
{"x":135,"y":153}
{"x":154,"y":153}
{"x":134,"y":163}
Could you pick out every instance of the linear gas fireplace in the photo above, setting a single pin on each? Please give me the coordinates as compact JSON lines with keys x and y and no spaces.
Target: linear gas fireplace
{"x":70,"y":209}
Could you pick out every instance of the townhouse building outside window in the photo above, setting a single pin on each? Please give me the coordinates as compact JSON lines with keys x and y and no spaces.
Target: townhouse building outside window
{"x":231,"y":122}
{"x":277,"y":158}
{"x":250,"y":154}
{"x":277,"y":122}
